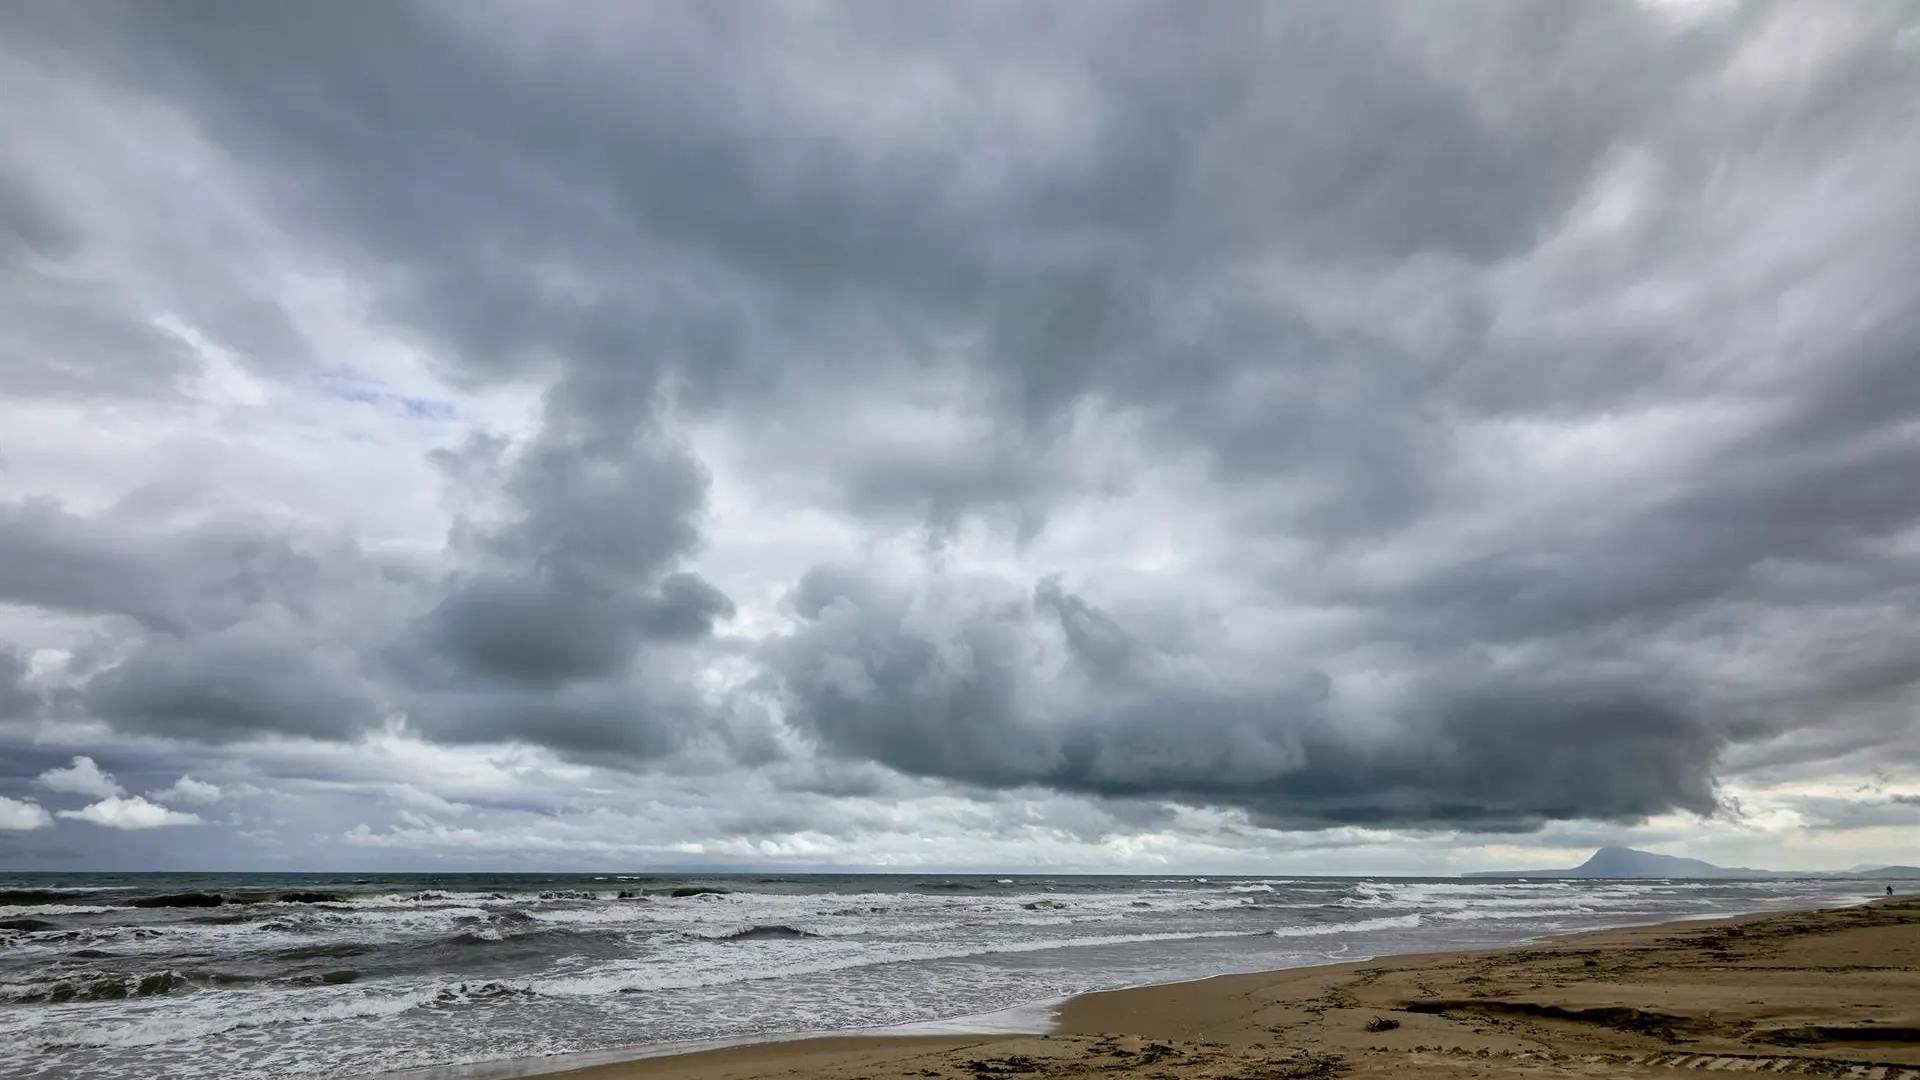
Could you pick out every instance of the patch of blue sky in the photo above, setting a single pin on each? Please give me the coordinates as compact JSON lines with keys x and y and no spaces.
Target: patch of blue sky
{"x":348,"y":388}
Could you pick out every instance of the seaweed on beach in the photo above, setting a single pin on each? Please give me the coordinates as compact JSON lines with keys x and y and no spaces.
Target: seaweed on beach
{"x":1621,"y":1018}
{"x":1013,"y":1063}
{"x":1302,"y":1066}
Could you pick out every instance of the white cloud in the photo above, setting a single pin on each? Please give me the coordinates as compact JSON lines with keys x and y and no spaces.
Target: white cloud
{"x":20,"y":816}
{"x":132,"y":812}
{"x":406,"y":795}
{"x":187,"y":789}
{"x":82,"y":777}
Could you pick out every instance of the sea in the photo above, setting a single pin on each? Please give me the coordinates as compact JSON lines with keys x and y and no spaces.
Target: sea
{"x":335,"y":975}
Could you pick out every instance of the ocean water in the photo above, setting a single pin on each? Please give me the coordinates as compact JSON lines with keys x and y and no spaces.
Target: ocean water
{"x":240,"y":976}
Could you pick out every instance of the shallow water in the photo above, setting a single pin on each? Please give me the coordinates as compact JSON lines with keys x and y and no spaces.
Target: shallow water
{"x":232,"y":976}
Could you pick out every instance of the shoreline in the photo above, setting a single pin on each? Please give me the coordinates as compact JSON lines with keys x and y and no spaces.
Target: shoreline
{"x":968,"y":1029}
{"x":1211,"y":1012}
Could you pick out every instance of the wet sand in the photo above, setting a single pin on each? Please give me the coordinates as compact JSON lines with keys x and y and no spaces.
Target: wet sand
{"x":1829,"y":993}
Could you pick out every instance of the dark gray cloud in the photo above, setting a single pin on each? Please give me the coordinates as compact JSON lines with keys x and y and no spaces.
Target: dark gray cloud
{"x":540,"y":640}
{"x":217,"y":633}
{"x":1005,"y":692}
{"x":575,"y":582}
{"x":238,"y":684}
{"x":1526,"y":389}
{"x":204,"y":579}
{"x":17,"y":699}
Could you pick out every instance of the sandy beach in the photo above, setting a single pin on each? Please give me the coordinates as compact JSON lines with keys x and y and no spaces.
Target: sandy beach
{"x":1831,"y":993}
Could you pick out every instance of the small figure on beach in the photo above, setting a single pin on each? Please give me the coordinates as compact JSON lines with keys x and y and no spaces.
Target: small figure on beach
{"x":1889,"y":890}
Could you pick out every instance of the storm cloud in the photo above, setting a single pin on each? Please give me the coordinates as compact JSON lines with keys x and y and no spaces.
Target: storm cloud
{"x":1085,"y":421}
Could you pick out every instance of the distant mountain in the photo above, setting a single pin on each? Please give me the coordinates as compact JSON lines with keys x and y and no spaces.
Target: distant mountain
{"x":1620,"y":862}
{"x":1910,"y":873}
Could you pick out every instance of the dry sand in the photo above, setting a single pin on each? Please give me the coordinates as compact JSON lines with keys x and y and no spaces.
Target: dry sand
{"x":1830,"y":993}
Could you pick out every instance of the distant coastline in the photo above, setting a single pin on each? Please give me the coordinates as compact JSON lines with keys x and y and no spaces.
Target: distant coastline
{"x":1629,"y":863}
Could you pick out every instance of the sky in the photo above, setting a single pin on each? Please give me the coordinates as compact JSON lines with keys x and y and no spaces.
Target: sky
{"x":1238,"y":437}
